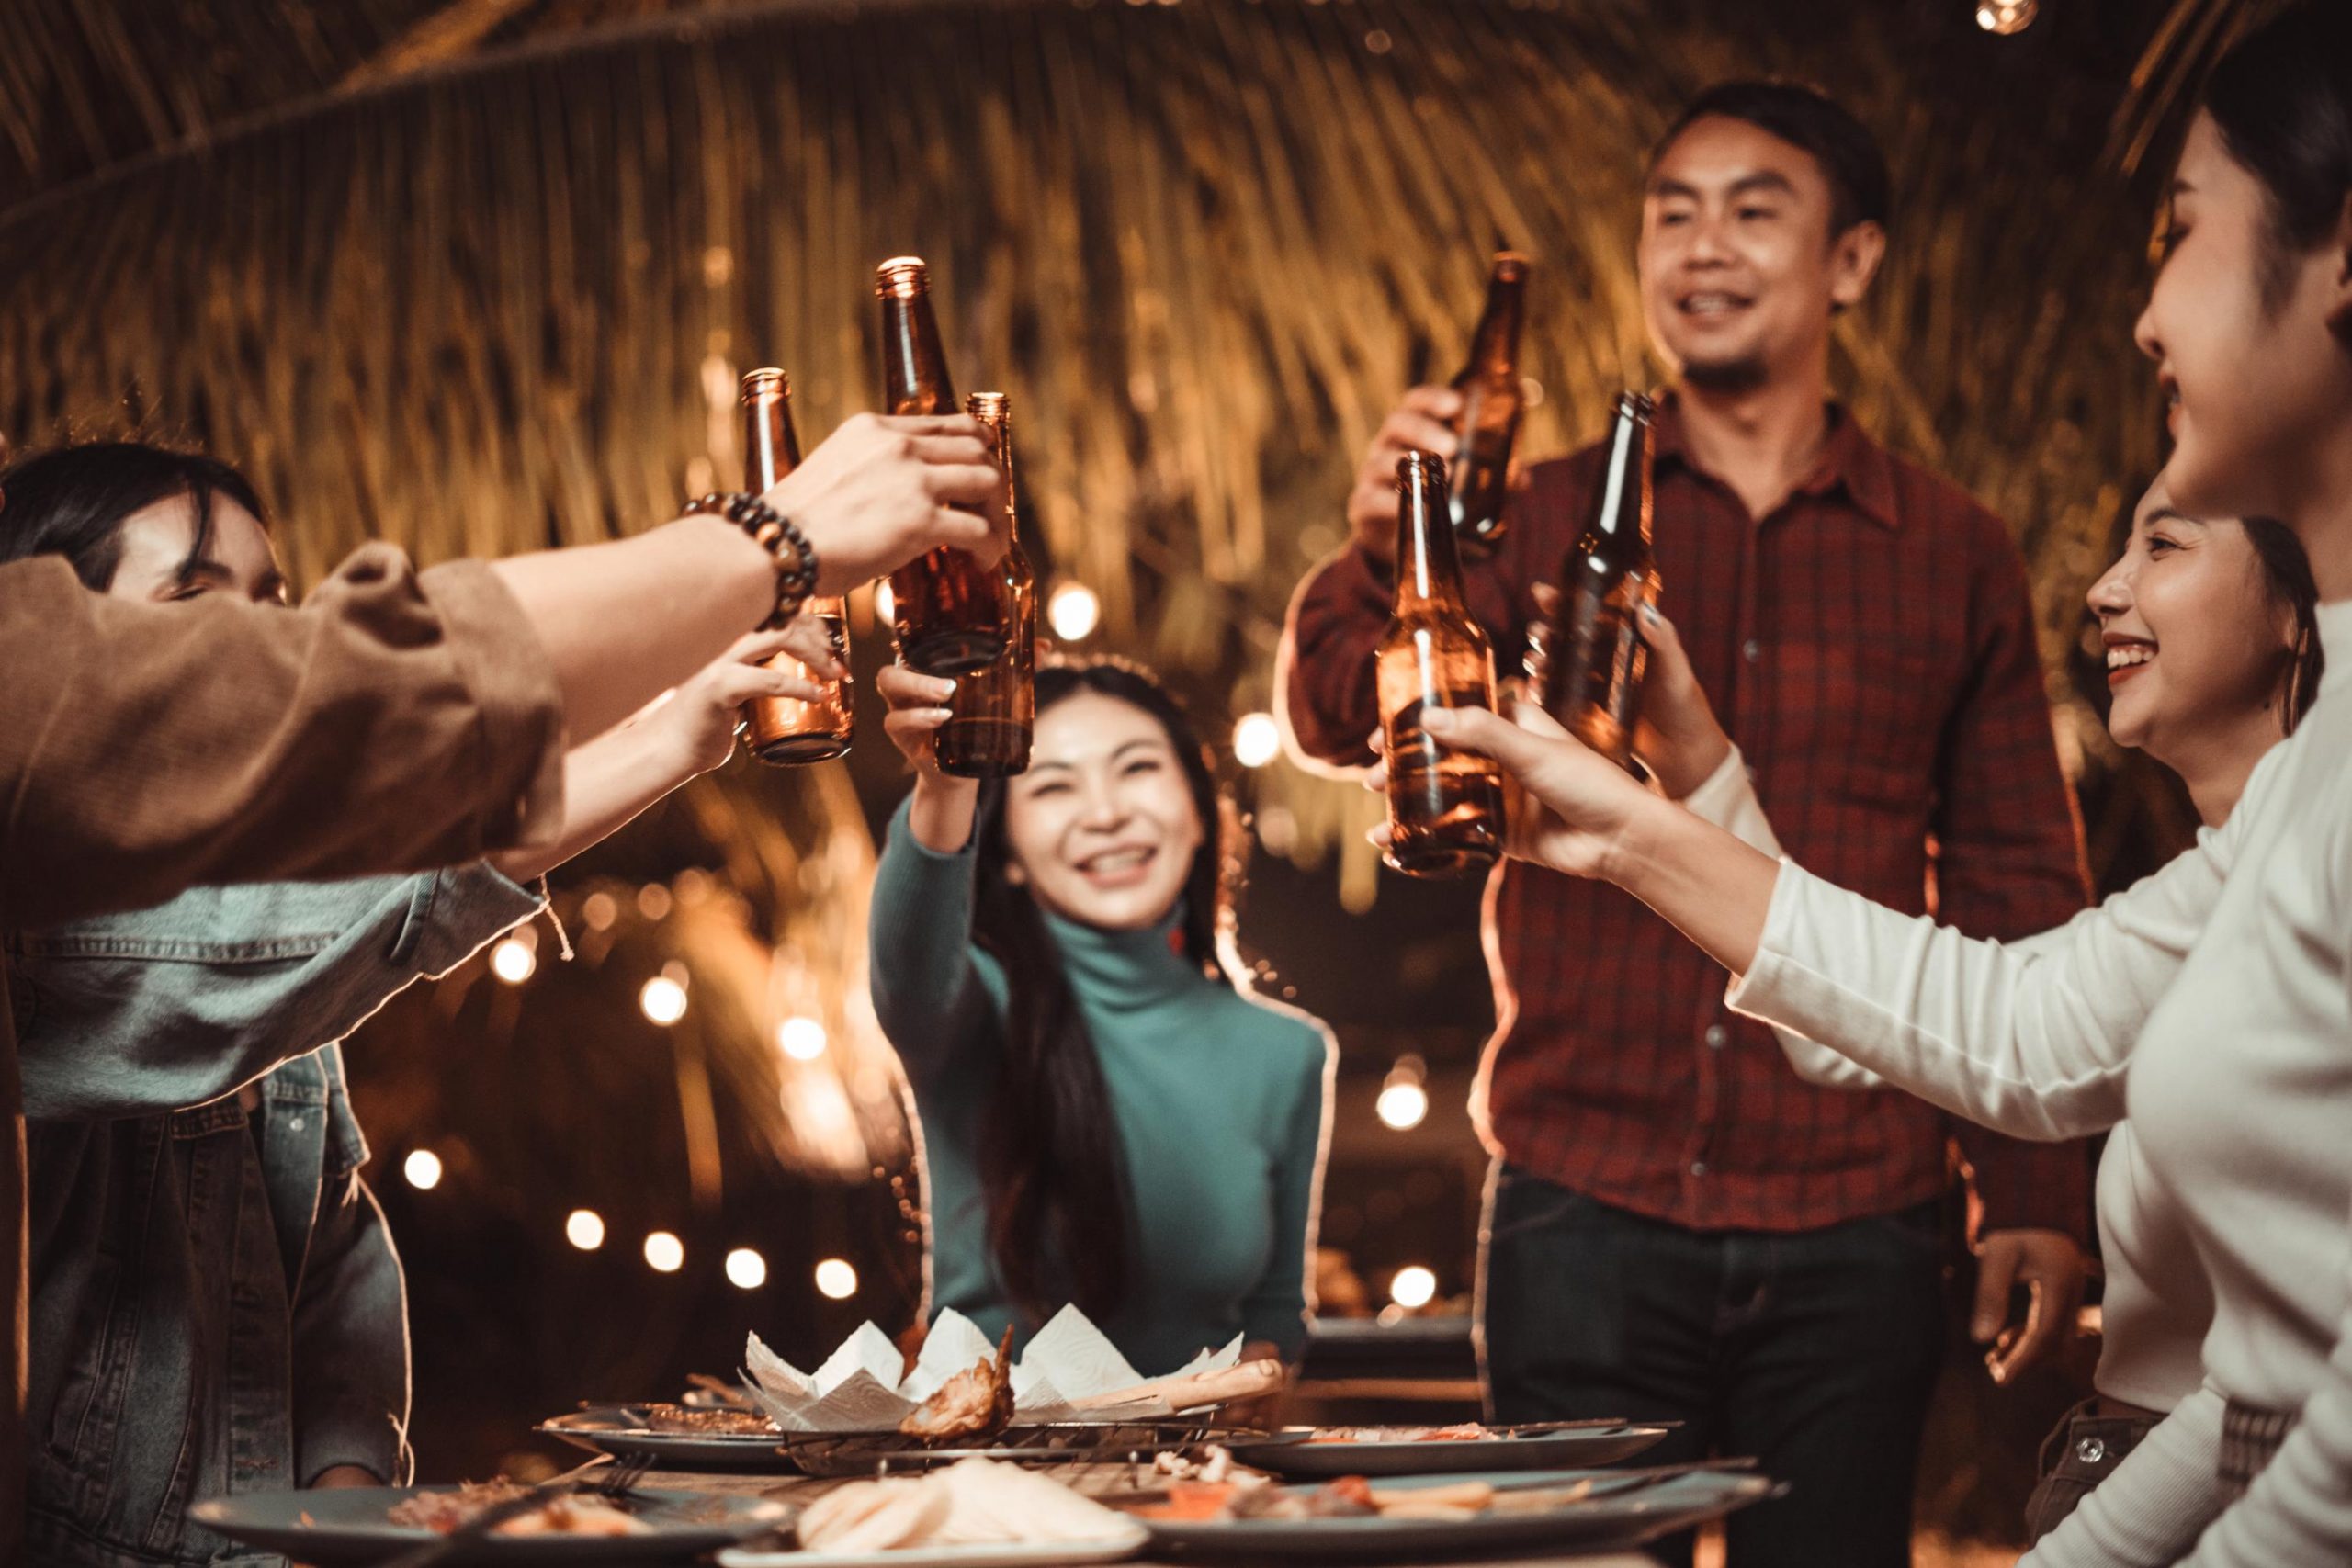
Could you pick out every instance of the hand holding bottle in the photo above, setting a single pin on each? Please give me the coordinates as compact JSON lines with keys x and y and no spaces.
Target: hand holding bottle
{"x":880,"y":490}
{"x":1422,"y":421}
{"x":1678,"y":737}
{"x":944,"y":804}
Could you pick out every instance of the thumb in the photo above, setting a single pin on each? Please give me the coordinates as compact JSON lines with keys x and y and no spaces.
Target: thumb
{"x":1665,"y":643}
{"x":1536,"y":718}
{"x":1482,"y":731}
{"x":1995,"y":1272}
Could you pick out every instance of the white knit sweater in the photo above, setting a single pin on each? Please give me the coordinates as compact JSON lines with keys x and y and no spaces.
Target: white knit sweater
{"x":2240,"y":1084}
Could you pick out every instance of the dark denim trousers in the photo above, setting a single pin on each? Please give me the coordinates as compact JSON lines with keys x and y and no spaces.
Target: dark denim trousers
{"x":1814,"y":1350}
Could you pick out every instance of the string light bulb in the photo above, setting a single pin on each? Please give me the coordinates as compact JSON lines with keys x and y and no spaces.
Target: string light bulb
{"x":1257,"y":739}
{"x":1073,"y":611}
{"x":663,"y":999}
{"x":1412,"y":1287}
{"x":513,"y":961}
{"x":585,"y":1228}
{"x":423,"y":1169}
{"x":664,"y":1253}
{"x":836,"y":1281}
{"x":1404,"y":1101}
{"x":746,"y":1269}
{"x":801,"y":1038}
{"x":2007,"y":18}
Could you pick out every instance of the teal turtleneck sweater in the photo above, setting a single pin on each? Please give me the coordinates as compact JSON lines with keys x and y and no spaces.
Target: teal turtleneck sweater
{"x":1219,"y":1099}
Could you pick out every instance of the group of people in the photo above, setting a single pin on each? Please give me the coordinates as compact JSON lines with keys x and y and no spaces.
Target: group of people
{"x":1703,"y":1204}
{"x":234,"y":828}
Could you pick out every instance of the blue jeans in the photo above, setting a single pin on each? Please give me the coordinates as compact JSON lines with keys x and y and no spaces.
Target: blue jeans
{"x":1814,"y":1350}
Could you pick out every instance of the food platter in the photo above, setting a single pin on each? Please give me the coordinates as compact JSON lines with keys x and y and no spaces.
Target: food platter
{"x":986,"y":1554}
{"x":624,"y":1432}
{"x":1304,"y":1451}
{"x":1615,"y":1511}
{"x":1051,"y":1442}
{"x":341,"y":1526}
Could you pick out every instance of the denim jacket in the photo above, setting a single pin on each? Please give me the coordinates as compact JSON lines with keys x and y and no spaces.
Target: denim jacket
{"x":216,"y":1305}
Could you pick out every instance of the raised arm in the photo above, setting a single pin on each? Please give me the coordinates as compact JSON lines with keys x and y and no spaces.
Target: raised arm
{"x":182,"y":1003}
{"x":2031,"y":1044}
{"x":934,"y":994}
{"x":1323,"y":681}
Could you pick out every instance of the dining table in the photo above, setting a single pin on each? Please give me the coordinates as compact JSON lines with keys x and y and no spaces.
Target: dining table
{"x":1092,"y":1479}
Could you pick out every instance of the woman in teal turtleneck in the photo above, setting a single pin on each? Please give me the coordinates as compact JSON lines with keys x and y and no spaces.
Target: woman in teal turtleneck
{"x":1106,"y":1120}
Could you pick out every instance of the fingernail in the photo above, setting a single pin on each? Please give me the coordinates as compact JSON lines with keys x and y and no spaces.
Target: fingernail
{"x":1649,"y":614}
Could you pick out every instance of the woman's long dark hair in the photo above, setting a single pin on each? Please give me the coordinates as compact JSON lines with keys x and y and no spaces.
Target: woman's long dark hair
{"x":2287,"y":574}
{"x":2281,"y":98}
{"x":1059,"y":1213}
{"x":72,"y":501}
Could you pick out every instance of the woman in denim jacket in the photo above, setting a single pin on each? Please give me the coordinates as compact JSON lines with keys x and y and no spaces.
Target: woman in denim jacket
{"x":216,"y":1305}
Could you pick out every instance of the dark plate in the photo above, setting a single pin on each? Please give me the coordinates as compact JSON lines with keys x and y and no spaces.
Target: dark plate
{"x":620,"y":1430}
{"x":1623,"y":1512}
{"x":347,"y":1525}
{"x":1570,"y":1448}
{"x":1046,"y":1442}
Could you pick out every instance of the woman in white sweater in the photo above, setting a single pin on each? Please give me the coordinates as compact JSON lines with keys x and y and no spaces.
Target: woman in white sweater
{"x":2230,"y":1046}
{"x":2212,"y":658}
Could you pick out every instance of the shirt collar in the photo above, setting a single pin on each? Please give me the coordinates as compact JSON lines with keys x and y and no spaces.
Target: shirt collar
{"x":1849,"y":462}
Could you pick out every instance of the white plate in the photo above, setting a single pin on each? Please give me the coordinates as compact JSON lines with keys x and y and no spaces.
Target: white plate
{"x":1004,"y":1555}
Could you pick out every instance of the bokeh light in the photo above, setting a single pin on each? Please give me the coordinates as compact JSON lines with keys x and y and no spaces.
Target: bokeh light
{"x":1257,"y":739}
{"x":836,"y":1281}
{"x":423,"y":1169}
{"x":664,"y":1253}
{"x":1403,"y":1106}
{"x":746,"y":1269}
{"x":1413,"y":1287}
{"x":802,"y":1039}
{"x":585,"y":1228}
{"x":663,"y":999}
{"x":1073,"y":611}
{"x":512,"y":960}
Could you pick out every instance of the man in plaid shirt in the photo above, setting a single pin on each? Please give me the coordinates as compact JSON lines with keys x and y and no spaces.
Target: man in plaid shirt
{"x":1681,"y":1227}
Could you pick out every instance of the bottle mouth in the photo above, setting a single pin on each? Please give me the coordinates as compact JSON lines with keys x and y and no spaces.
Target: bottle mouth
{"x":990,"y":406}
{"x":1414,"y":466}
{"x":766,"y":382}
{"x":1510,"y":266}
{"x":903,"y":278}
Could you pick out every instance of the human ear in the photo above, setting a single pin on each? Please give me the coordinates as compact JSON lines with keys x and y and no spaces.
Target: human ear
{"x":1854,"y":258}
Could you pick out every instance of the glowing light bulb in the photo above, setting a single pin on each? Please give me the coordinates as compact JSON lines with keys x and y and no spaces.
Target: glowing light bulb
{"x":1257,"y":739}
{"x":1413,"y":1287}
{"x":2007,"y":17}
{"x":886,"y":603}
{"x":1404,"y":1099}
{"x":512,"y":960}
{"x":802,"y":1039}
{"x":746,"y":1269}
{"x":423,"y":1169}
{"x":663,"y":999}
{"x":1073,"y":611}
{"x":664,"y":1253}
{"x":1403,"y":1106}
{"x":585,"y":1228}
{"x":836,"y":1281}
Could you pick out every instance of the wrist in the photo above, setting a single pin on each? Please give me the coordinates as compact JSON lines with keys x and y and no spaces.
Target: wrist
{"x":1631,"y":851}
{"x":1691,"y":763}
{"x":941,"y":811}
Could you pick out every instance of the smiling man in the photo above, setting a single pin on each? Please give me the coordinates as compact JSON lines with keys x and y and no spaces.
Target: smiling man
{"x":1678,"y":1226}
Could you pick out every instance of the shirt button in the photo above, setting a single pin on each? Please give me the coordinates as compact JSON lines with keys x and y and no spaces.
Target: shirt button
{"x":1698,"y":1168}
{"x":1750,"y":771}
{"x":2090,"y":1450}
{"x":1717,"y":1036}
{"x":1751,"y":650}
{"x":294,"y":1124}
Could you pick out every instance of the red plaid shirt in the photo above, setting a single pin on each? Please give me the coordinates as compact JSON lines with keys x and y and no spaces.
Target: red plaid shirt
{"x":1869,"y":646}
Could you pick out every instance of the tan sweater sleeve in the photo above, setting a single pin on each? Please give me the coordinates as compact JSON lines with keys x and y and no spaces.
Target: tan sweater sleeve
{"x":399,"y":720}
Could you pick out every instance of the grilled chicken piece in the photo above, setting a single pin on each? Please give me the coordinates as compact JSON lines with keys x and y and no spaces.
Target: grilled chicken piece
{"x":974,"y":1403}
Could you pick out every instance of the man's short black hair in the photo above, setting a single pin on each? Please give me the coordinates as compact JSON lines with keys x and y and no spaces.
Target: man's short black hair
{"x":1861,"y":191}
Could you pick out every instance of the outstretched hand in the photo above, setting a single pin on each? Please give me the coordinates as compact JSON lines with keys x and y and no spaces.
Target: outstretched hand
{"x":1567,"y":804}
{"x":700,"y":715}
{"x":880,"y":490}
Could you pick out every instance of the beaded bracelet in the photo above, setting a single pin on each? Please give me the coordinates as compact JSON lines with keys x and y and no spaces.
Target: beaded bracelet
{"x":775,"y":533}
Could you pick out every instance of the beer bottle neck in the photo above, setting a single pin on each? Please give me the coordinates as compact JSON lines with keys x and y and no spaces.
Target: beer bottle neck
{"x":914,"y":367}
{"x":1495,"y":346}
{"x":1621,"y":510}
{"x":770,"y":450}
{"x":1429,"y":572}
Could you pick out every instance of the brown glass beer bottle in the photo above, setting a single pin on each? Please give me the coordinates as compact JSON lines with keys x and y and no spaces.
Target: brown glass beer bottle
{"x":1593,"y":654}
{"x":946,"y":607}
{"x":994,"y":709}
{"x":1492,"y":403}
{"x":784,"y":730}
{"x":1446,"y":807}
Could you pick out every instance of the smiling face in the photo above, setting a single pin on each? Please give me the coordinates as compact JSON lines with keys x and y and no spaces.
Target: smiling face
{"x":1740,"y":268}
{"x":2254,"y":380}
{"x":1102,"y":827}
{"x":2197,"y":647}
{"x":238,"y":557}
